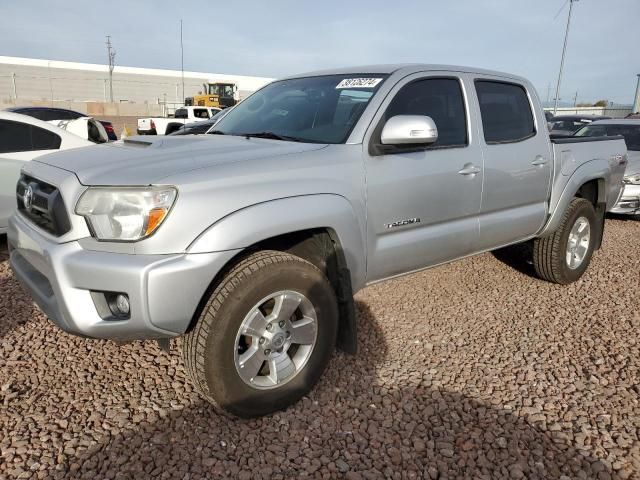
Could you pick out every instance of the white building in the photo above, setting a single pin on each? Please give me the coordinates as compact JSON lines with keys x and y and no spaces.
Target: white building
{"x":30,"y":80}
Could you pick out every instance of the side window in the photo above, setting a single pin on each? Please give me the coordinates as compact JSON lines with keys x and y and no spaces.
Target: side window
{"x":15,"y":137}
{"x":44,"y":139}
{"x":180,"y":113}
{"x":439,"y":98}
{"x":506,"y":112}
{"x":200,"y":113}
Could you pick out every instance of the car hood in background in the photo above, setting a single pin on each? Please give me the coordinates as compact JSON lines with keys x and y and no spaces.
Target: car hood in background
{"x":144,"y":160}
{"x":633,"y":166}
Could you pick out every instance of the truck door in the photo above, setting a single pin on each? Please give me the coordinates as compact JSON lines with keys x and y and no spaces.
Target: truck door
{"x":517,"y":162}
{"x":423,"y":203}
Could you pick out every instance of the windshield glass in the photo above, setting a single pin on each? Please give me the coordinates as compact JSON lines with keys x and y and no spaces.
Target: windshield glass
{"x":631,"y":133}
{"x":224,"y":90}
{"x":314,"y":109}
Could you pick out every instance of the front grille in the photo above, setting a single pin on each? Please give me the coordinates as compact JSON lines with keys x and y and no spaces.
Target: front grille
{"x":44,"y":207}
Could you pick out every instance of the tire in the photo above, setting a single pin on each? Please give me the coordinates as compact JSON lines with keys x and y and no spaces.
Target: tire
{"x":213,"y":350}
{"x":550,"y":254}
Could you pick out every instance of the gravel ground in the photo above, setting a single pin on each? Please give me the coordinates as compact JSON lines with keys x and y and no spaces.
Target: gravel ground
{"x":470,"y":370}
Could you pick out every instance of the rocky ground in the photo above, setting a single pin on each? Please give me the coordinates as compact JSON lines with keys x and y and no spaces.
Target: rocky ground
{"x":471,"y":370}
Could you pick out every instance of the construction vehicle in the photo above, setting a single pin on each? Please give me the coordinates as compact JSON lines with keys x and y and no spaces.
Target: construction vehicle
{"x":215,"y":94}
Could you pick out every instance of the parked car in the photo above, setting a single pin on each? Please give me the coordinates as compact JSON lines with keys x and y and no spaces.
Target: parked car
{"x":48,"y":114}
{"x":629,"y":129}
{"x":165,"y":126}
{"x":566,"y":125}
{"x":198,"y":128}
{"x":24,"y":138}
{"x":251,"y":241}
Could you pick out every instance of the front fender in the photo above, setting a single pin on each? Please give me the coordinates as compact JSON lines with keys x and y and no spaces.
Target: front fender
{"x":594,"y":170}
{"x":262,"y":221}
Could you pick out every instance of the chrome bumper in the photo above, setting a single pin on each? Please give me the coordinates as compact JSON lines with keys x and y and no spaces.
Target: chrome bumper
{"x":164,"y":290}
{"x":629,"y":202}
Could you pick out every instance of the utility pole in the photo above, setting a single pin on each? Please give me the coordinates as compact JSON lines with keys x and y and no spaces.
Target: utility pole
{"x":575,"y":98}
{"x":564,"y":49}
{"x":182,"y":59}
{"x":112,"y":57}
{"x":636,"y":100}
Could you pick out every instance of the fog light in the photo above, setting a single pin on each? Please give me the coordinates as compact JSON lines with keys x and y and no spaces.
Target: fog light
{"x":122,"y":304}
{"x":118,"y":304}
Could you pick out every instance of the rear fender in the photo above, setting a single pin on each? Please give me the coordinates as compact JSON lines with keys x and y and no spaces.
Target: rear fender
{"x":595,"y":170}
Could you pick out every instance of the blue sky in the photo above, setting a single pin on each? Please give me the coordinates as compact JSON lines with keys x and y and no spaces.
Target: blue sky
{"x":279,"y":37}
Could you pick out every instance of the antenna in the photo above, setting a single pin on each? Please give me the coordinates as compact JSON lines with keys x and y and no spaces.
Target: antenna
{"x":112,"y":63}
{"x":564,"y":49}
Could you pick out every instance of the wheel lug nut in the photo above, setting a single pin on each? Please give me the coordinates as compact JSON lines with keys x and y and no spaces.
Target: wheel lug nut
{"x":267,"y":352}
{"x":281,"y":323}
{"x":269,"y":326}
{"x":262,"y":340}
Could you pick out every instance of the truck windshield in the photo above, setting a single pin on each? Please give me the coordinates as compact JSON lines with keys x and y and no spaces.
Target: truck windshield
{"x":321,"y":109}
{"x":631,"y":133}
{"x":224,"y":90}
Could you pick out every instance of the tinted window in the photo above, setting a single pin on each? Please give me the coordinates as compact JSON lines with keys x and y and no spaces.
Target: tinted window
{"x":439,"y":98}
{"x":567,"y":125}
{"x":44,"y":139}
{"x":21,"y":137}
{"x":200,"y":113}
{"x":631,"y":133}
{"x":180,"y":113}
{"x":506,"y":112}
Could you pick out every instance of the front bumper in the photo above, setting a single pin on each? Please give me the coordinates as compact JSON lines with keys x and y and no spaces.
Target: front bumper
{"x":164,"y":290}
{"x":629,"y":202}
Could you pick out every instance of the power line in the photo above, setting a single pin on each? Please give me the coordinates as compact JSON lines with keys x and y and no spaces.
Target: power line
{"x":564,"y":49}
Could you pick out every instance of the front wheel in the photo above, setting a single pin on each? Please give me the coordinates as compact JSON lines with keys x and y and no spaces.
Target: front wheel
{"x":564,"y":256}
{"x":265,"y":335}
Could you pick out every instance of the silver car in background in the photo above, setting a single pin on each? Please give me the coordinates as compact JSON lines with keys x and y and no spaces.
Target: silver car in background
{"x":629,"y":202}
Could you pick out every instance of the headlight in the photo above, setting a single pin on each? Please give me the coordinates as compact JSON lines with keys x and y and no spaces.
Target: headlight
{"x":125,"y":214}
{"x":632,"y":179}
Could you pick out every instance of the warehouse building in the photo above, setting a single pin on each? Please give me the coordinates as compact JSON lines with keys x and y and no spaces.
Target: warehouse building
{"x":29,"y":80}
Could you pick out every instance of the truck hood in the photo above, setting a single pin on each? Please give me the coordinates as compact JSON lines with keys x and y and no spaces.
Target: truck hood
{"x":148,"y":160}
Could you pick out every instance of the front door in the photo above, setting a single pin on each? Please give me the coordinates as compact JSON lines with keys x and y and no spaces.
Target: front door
{"x":423,"y":204}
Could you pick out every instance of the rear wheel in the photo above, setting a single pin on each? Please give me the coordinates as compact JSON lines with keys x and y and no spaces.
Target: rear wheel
{"x":564,"y":256}
{"x":265,"y":335}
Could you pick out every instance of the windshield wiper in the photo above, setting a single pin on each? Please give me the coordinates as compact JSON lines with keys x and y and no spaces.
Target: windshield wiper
{"x":271,"y":136}
{"x":216,"y":132}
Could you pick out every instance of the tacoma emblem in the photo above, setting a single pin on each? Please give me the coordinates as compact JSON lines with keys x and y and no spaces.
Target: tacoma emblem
{"x":402,"y":223}
{"x":27,"y":197}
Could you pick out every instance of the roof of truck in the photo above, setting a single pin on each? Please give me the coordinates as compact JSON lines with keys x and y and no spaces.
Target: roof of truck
{"x":618,"y":121}
{"x":406,"y":68}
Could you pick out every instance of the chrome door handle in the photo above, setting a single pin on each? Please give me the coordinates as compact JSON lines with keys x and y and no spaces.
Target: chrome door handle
{"x":539,"y":161}
{"x":469,"y":169}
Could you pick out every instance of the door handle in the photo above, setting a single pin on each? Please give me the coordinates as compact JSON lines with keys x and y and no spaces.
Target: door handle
{"x":469,"y":169}
{"x":539,"y":161}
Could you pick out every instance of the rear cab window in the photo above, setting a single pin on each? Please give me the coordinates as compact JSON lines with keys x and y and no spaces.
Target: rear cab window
{"x":506,"y":112}
{"x":22,"y":137}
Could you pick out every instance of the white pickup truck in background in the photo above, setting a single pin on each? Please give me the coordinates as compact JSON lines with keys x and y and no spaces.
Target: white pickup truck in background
{"x":183,"y":115}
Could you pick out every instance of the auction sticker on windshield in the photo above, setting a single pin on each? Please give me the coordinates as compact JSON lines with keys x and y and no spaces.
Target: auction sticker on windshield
{"x":359,"y":83}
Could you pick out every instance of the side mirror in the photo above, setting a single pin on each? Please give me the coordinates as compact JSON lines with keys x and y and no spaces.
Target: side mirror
{"x":409,"y":130}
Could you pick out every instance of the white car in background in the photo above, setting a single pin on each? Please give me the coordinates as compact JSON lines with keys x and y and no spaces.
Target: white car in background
{"x":23,"y":138}
{"x":629,"y":202}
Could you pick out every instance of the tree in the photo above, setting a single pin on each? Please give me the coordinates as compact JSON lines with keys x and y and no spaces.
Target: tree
{"x":601,"y":103}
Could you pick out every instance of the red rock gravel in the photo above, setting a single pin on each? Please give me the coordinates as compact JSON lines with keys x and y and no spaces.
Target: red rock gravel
{"x":470,"y":370}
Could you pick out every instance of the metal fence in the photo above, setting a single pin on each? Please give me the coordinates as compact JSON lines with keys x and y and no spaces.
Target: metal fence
{"x":613,"y":112}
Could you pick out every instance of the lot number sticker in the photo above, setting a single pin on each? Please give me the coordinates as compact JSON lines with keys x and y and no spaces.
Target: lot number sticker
{"x":359,"y":83}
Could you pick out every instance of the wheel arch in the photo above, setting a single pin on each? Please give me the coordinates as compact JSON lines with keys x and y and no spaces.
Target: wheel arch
{"x":322,"y":229}
{"x":589,"y":182}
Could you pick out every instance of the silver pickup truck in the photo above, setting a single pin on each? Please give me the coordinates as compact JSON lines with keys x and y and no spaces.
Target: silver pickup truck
{"x":251,"y":241}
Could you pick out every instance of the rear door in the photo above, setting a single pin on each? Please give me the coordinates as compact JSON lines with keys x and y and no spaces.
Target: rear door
{"x":517,"y":161}
{"x":423,"y":203}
